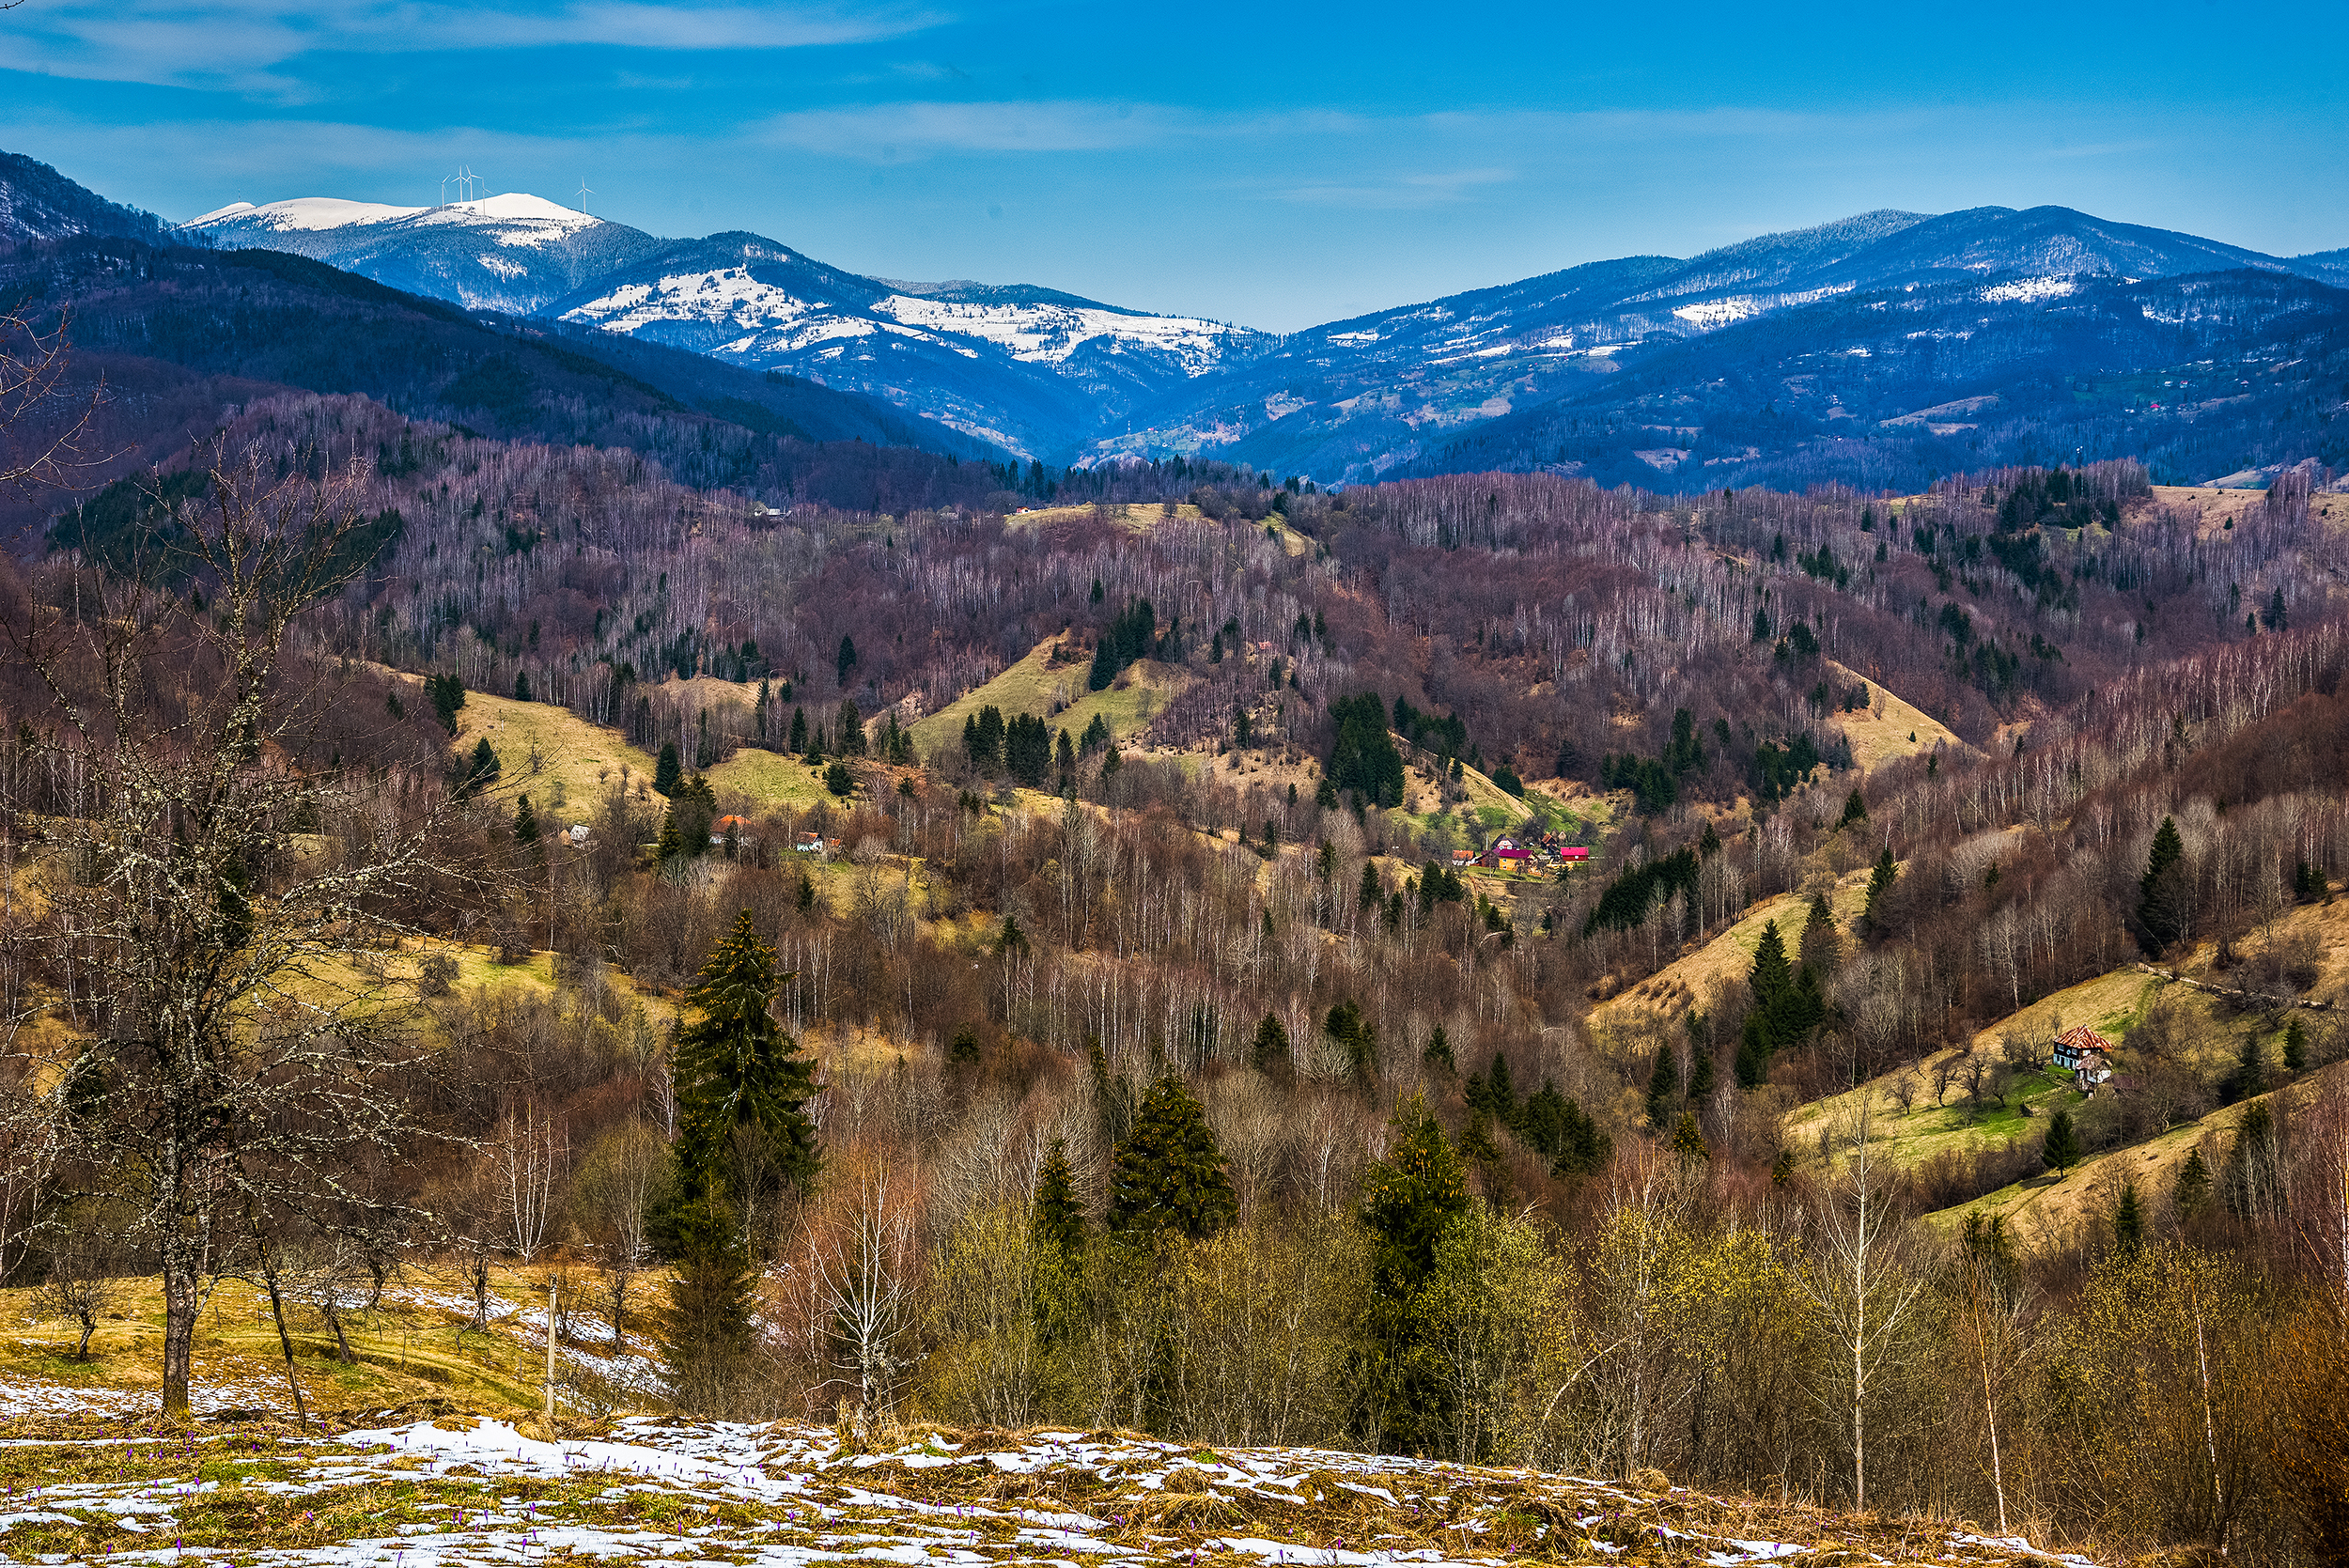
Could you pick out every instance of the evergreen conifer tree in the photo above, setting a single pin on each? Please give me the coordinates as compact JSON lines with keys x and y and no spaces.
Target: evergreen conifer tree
{"x":669,"y":771}
{"x":1168,"y":1173}
{"x":2128,"y":1223}
{"x":735,"y":1065}
{"x":2295,"y":1047}
{"x":526,"y":822}
{"x":1408,"y":1198}
{"x":1499,"y":1094}
{"x":1821,"y":949}
{"x":1663,"y":1087}
{"x":2193,"y":1188}
{"x":1701,"y":1076}
{"x":1688,"y":1141}
{"x":2249,"y":1077}
{"x":2159,"y":906}
{"x":1438,"y":1054}
{"x":1270,"y":1048}
{"x":964,"y":1048}
{"x":798,"y":740}
{"x":1771,"y":974}
{"x":481,"y":773}
{"x":1881,"y":882}
{"x":2061,"y":1150}
{"x":1059,"y":1221}
{"x":1370,"y":896}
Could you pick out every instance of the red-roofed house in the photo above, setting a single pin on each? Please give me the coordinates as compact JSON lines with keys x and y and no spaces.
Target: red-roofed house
{"x":2084,"y":1053}
{"x":1507,"y":854}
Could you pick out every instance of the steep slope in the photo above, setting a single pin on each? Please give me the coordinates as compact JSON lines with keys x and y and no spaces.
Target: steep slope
{"x":38,"y":203}
{"x":511,"y":252}
{"x":265,"y":321}
{"x":1028,"y":369}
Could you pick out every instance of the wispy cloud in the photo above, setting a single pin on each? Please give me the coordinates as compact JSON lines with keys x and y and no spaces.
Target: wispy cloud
{"x":1400,"y":191}
{"x":886,"y":131}
{"x":242,"y":45}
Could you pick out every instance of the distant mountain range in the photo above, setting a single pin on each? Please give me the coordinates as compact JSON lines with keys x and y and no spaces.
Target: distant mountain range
{"x":1028,"y":371}
{"x":1880,"y":348}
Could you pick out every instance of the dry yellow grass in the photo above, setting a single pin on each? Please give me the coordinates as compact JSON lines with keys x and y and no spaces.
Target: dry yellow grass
{"x":1139,"y":517}
{"x":1890,"y":728}
{"x":2212,"y":509}
{"x":1687,"y":979}
{"x":416,"y":1345}
{"x":579,"y":763}
{"x":768,"y":781}
{"x":1036,"y":686}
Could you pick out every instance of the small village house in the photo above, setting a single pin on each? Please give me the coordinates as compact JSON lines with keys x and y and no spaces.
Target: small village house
{"x":2084,"y":1053}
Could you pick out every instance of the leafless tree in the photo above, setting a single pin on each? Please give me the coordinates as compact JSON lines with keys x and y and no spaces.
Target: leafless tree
{"x":613,"y":1199}
{"x":41,"y":426}
{"x":1948,"y":1069}
{"x":1865,"y":1280}
{"x":529,"y":1155}
{"x":209,"y":891}
{"x":81,"y":1283}
{"x":866,"y":1278}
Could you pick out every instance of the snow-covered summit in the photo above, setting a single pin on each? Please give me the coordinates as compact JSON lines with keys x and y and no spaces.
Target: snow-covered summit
{"x":512,"y":253}
{"x":305,"y":215}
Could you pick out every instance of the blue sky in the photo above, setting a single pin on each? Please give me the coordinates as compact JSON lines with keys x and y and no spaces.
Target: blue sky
{"x":1273,"y":165}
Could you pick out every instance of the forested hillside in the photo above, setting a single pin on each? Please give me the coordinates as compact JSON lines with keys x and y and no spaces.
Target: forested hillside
{"x":1418,"y":1027}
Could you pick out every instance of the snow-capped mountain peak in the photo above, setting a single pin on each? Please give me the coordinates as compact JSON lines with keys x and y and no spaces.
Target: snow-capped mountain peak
{"x":512,"y":253}
{"x":307,"y":214}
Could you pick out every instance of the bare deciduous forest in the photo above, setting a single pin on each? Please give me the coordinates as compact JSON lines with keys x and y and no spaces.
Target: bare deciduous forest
{"x":1177,"y":1079}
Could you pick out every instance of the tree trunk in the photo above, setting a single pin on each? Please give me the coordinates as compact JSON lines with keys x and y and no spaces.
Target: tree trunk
{"x":285,"y":1342}
{"x":89,"y":1327}
{"x":182,"y":1301}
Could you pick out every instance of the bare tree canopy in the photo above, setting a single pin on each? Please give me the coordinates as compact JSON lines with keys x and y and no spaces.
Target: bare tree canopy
{"x":211,"y":896}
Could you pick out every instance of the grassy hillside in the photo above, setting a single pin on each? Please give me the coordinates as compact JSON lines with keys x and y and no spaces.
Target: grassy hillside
{"x":2206,"y":1033}
{"x":1057,"y":694}
{"x":576,"y":763}
{"x":432,"y":1447}
{"x":1704,"y":966}
{"x":1889,"y":728}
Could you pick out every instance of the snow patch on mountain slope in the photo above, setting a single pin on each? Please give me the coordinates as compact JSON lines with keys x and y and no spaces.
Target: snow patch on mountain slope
{"x":729,"y":296}
{"x":1048,"y":334}
{"x":1707,"y":315}
{"x":2026,"y":290}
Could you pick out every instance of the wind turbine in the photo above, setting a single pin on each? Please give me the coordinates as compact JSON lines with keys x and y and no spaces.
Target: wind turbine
{"x":584,"y":194}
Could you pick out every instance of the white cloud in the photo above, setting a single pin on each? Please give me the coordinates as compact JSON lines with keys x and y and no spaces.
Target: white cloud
{"x":240,"y":44}
{"x":1400,"y":191}
{"x":884,"y":132}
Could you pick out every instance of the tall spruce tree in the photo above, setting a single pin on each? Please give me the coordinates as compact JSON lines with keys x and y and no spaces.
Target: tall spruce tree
{"x":1168,"y":1173}
{"x":1059,"y":1218}
{"x":1881,"y":882}
{"x":1408,"y":1198}
{"x":2161,"y":894}
{"x":1270,"y":1048}
{"x":669,"y":770}
{"x":2061,"y":1150}
{"x":735,"y":1067}
{"x":737,"y":1072}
